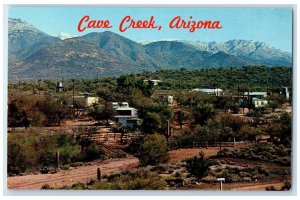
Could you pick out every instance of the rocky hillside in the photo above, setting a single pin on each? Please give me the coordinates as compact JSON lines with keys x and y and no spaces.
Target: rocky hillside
{"x":35,"y":54}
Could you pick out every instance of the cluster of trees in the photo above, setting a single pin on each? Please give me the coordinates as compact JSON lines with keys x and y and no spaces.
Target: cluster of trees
{"x":24,"y":110}
{"x":34,"y":152}
{"x":255,"y":77}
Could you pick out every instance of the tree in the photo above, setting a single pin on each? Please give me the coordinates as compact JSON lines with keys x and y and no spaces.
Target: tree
{"x":14,"y":114}
{"x":103,"y":112}
{"x":153,"y":150}
{"x":204,"y":112}
{"x":281,"y":128}
{"x":286,"y":128}
{"x":180,"y":118}
{"x":248,"y":133}
{"x":126,"y":82}
{"x":155,"y":118}
{"x":274,"y":105}
{"x":235,"y":123}
{"x":151,"y":122}
{"x":54,"y":110}
{"x":257,"y":114}
{"x":198,"y":166}
{"x":16,"y":157}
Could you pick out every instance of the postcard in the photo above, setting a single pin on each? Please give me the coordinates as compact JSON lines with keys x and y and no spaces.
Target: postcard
{"x":149,"y":98}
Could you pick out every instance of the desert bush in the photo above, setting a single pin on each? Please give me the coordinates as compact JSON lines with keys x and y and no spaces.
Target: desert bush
{"x":65,"y":167}
{"x":209,"y":179}
{"x":198,"y":167}
{"x":138,"y":180}
{"x":76,"y":164}
{"x":153,"y":150}
{"x":266,"y":152}
{"x":17,"y":160}
{"x":93,"y":152}
{"x":32,"y":150}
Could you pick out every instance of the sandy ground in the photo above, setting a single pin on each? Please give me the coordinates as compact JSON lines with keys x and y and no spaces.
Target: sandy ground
{"x":241,"y":186}
{"x":69,"y":177}
{"x":181,"y":154}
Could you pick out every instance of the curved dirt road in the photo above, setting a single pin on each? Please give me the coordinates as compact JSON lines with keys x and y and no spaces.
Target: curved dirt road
{"x":69,"y":177}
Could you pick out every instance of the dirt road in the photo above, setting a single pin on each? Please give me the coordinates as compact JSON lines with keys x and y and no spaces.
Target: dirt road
{"x":181,"y":154}
{"x":241,"y":186}
{"x":69,"y":177}
{"x":86,"y":173}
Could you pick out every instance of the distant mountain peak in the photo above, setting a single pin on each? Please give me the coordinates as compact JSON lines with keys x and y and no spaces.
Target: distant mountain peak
{"x":64,"y":36}
{"x":18,"y":24}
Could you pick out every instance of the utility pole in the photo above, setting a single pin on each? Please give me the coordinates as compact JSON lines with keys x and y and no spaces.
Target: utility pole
{"x":39,"y":86}
{"x":168,"y":121}
{"x":73,"y":81}
{"x":243,"y":101}
{"x":33,"y":88}
{"x":272,"y":89}
{"x":248,"y":102}
{"x":215,"y":88}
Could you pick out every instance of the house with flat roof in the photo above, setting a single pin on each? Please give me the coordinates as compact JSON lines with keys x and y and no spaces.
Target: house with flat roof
{"x":256,"y":94}
{"x":259,"y":102}
{"x":127,"y":116}
{"x":154,"y":81}
{"x":87,"y":100}
{"x":215,"y":91}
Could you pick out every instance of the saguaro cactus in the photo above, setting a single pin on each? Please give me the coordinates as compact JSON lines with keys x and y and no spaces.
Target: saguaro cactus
{"x":98,"y":174}
{"x":57,"y":158}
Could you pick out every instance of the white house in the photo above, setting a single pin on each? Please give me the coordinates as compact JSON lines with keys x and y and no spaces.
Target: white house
{"x":170,"y":100}
{"x":126,"y":116}
{"x":259,"y":102}
{"x":88,"y":101}
{"x":117,"y":105}
{"x":256,"y":94}
{"x":155,"y":82}
{"x":216,"y":91}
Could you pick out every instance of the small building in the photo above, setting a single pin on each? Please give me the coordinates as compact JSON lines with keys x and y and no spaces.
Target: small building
{"x":170,"y":100}
{"x":155,"y":82}
{"x":127,"y":116}
{"x":87,"y":101}
{"x":59,"y":86}
{"x":216,"y":91}
{"x":256,"y":94}
{"x":259,"y":102}
{"x":117,"y":105}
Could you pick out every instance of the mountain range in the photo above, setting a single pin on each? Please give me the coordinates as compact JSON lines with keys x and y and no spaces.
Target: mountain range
{"x":35,"y":54}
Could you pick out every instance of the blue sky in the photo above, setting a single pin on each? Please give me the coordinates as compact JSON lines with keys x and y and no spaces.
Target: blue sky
{"x":270,"y":25}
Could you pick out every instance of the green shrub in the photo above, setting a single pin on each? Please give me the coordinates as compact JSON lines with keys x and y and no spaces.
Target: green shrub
{"x":153,"y":150}
{"x":198,"y":167}
{"x":209,"y":179}
{"x":138,"y":180}
{"x":76,"y":164}
{"x":65,"y":167}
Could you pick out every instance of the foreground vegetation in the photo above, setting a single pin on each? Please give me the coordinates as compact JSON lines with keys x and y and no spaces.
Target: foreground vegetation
{"x":35,"y":152}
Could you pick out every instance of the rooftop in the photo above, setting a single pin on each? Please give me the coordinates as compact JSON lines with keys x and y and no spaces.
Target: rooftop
{"x":208,"y":90}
